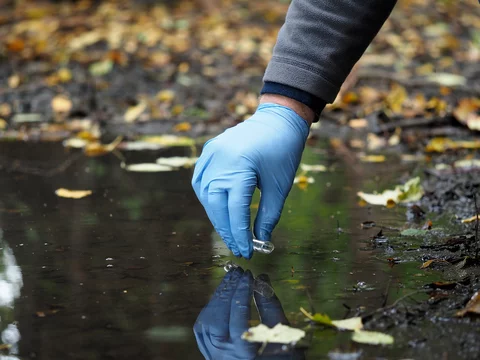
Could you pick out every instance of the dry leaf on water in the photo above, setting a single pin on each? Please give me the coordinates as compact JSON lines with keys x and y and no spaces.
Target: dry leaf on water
{"x":411,"y":191}
{"x":133,"y":112}
{"x":372,"y":338}
{"x":177,"y":161}
{"x":354,"y":323}
{"x":428,"y":263}
{"x":146,"y":167}
{"x":280,"y":334}
{"x":72,"y":194}
{"x":473,"y":306}
{"x":98,"y":149}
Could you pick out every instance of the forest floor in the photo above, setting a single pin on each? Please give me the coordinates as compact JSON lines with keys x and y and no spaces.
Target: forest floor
{"x":132,"y":72}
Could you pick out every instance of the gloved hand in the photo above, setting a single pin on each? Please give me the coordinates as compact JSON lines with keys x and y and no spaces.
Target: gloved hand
{"x":221,"y":323}
{"x":263,"y":151}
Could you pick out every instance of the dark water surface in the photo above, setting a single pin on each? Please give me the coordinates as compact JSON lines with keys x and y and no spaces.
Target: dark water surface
{"x":124,"y":273}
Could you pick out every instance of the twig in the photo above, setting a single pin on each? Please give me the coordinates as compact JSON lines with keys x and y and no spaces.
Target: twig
{"x":386,"y":293}
{"x":395,"y":303}
{"x":476,"y":226}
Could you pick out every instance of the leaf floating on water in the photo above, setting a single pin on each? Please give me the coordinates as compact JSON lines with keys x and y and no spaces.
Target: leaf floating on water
{"x":147,"y":167}
{"x":75,"y":143}
{"x":169,"y":140}
{"x":140,"y":145}
{"x":98,"y":149}
{"x":354,"y":323}
{"x":473,"y":306}
{"x":412,"y":190}
{"x":313,"y":168}
{"x":323,"y":319}
{"x":177,"y":161}
{"x":72,"y":194}
{"x":279,"y":334}
{"x":372,"y":338}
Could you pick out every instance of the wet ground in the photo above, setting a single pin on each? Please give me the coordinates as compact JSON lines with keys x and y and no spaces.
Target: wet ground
{"x":125,"y":272}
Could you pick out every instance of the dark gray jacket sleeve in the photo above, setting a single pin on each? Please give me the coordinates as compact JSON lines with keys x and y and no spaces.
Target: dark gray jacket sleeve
{"x":322,"y":40}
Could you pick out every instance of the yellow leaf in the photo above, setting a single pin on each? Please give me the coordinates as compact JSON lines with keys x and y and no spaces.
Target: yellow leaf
{"x":133,"y":112}
{"x":471,"y":219}
{"x":166,"y":96}
{"x":354,"y":323}
{"x":169,"y":140}
{"x":61,"y":104}
{"x":372,"y":158}
{"x":467,"y":113}
{"x":14,"y":81}
{"x":64,"y":75}
{"x":3,"y":124}
{"x":98,"y":149}
{"x":372,"y":338}
{"x":280,"y":334}
{"x":72,"y":194}
{"x":396,"y":98}
{"x":427,"y":263}
{"x":177,"y":110}
{"x":182,"y":127}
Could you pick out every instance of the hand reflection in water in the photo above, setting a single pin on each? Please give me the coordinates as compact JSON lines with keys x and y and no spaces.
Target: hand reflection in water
{"x":224,"y":319}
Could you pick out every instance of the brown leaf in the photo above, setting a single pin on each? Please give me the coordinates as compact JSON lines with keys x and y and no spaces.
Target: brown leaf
{"x":428,"y":263}
{"x":467,"y":112}
{"x":473,"y":306}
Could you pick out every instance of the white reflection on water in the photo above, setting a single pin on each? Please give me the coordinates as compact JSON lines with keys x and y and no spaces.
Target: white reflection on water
{"x":11,"y":282}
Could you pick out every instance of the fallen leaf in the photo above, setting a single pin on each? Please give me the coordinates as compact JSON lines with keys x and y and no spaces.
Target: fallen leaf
{"x":98,"y":149}
{"x":14,"y":81}
{"x":358,"y":123}
{"x":177,"y":110}
{"x":177,"y":161}
{"x":354,"y":323}
{"x":396,"y":97}
{"x":133,"y":112}
{"x":373,"y":158}
{"x":75,"y":143}
{"x":166,"y":96}
{"x":428,"y":263}
{"x":372,"y":338}
{"x":146,"y":167}
{"x":280,"y":334}
{"x":72,"y":194}
{"x":411,"y":191}
{"x":443,"y":144}
{"x":471,"y":219}
{"x":446,"y":79}
{"x":140,"y":145}
{"x":182,"y":127}
{"x":313,"y":168}
{"x":473,"y":306}
{"x":169,"y":140}
{"x":302,"y":179}
{"x":467,"y":112}
{"x":61,"y":104}
{"x":101,"y":68}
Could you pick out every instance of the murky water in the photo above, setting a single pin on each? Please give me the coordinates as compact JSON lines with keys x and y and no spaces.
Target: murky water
{"x":124,"y":273}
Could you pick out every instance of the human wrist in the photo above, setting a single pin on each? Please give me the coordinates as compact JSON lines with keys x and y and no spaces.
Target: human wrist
{"x":299,"y":108}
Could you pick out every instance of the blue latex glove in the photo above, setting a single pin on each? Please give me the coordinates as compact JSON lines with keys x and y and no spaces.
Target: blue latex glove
{"x":221,"y":323}
{"x":263,"y":151}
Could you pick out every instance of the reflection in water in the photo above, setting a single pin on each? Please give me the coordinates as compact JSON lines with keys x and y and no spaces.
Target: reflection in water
{"x":223,"y":320}
{"x":11,"y":283}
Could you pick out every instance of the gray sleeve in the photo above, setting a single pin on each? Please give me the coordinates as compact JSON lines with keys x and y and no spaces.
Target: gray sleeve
{"x":322,"y":40}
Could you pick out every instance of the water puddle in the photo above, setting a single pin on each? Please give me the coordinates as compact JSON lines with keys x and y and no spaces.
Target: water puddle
{"x":125,"y":272}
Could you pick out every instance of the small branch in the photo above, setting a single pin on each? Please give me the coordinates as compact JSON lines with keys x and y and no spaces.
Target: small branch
{"x":476,"y":226}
